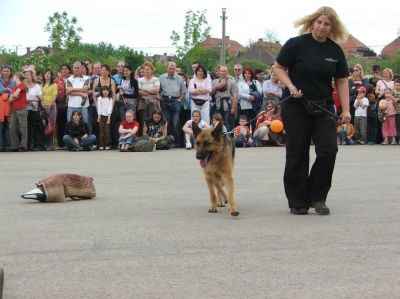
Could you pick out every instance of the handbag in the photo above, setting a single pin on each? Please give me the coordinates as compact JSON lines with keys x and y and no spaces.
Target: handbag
{"x":49,"y":129}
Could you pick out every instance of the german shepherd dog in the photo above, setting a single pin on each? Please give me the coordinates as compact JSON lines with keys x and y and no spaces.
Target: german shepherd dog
{"x":216,"y":153}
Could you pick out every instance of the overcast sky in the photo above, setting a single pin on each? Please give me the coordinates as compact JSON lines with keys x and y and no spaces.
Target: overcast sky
{"x":147,"y":25}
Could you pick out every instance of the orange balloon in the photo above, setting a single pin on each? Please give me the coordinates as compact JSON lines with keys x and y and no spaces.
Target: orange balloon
{"x":276,"y":126}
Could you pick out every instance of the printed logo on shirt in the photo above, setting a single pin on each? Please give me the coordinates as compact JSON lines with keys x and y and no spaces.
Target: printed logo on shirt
{"x":331,"y":60}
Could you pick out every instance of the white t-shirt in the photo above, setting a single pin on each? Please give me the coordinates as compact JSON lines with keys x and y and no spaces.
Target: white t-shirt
{"x":148,"y":84}
{"x":104,"y":106}
{"x":361,"y":111}
{"x":201,"y":124}
{"x":77,"y":82}
{"x":32,"y":94}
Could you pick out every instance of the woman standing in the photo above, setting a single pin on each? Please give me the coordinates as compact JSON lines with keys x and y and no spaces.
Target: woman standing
{"x":149,"y":90}
{"x":129,"y":92}
{"x":50,"y":92}
{"x":356,"y":80}
{"x":35,"y":124}
{"x":250,"y":96}
{"x":306,"y":65}
{"x":199,"y":89}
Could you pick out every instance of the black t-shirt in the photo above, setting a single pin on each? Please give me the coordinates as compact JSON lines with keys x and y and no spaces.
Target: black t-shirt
{"x":312,"y":65}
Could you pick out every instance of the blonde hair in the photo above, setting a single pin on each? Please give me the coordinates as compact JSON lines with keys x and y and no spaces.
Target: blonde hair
{"x":338,"y":31}
{"x":149,"y":65}
{"x":390,"y":71}
{"x":359,"y":66}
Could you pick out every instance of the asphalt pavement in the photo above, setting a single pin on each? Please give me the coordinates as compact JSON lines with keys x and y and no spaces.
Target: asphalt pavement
{"x":148,"y":234}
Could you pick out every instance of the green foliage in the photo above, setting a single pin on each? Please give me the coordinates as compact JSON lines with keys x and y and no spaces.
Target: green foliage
{"x":195,"y":31}
{"x":368,"y":62}
{"x":254,"y":64}
{"x":64,"y":32}
{"x":208,"y":57}
{"x":105,"y":53}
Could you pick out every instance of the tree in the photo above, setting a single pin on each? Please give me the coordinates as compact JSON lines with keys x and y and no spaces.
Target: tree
{"x":64,"y":32}
{"x":195,"y":31}
{"x":271,"y":36}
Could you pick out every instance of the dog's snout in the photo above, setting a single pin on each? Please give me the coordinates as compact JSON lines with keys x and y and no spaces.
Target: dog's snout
{"x":201,"y":155}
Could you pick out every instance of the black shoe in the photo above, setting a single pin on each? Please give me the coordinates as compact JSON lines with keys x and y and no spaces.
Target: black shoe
{"x":22,"y":149}
{"x":320,"y":208}
{"x":11,"y":150}
{"x":299,"y":211}
{"x":87,"y":149}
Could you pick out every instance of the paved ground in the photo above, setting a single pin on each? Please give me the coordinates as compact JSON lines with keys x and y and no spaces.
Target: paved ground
{"x":148,"y":234}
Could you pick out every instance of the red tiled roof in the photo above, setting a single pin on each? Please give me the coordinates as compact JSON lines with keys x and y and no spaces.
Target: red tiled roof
{"x":391,"y":49}
{"x":233,"y":46}
{"x":352,"y":45}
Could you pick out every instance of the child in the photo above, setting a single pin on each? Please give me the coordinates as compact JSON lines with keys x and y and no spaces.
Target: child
{"x":242,"y":133}
{"x":345,"y":133}
{"x":389,"y":121}
{"x":187,"y":128}
{"x":127,"y":130}
{"x":19,"y":115}
{"x":217,"y":118}
{"x":360,"y":115}
{"x":262,"y":134}
{"x":396,"y":94}
{"x":104,"y":110}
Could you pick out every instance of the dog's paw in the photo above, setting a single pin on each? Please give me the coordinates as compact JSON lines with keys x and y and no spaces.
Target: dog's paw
{"x":212,"y":210}
{"x":235,"y":213}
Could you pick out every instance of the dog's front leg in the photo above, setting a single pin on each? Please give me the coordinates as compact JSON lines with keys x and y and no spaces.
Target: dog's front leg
{"x":213,"y":195}
{"x":231,"y":197}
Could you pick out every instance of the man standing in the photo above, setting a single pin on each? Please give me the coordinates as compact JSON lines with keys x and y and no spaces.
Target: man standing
{"x":224,"y":90}
{"x":173,"y":91}
{"x":238,"y":68}
{"x":61,"y":101}
{"x":92,"y":110}
{"x":77,"y":92}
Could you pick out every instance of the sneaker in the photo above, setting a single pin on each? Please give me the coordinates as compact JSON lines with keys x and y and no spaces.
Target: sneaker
{"x":299,"y":211}
{"x":188,"y":145}
{"x":320,"y":208}
{"x":361,"y":142}
{"x":394,"y":142}
{"x":385,"y":142}
{"x":107,"y":148}
{"x":101,"y":148}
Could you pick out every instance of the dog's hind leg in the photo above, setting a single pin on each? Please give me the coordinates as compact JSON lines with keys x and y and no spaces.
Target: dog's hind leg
{"x":213,"y":195}
{"x":231,"y":197}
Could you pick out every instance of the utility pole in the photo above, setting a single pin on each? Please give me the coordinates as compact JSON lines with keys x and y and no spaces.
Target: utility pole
{"x":222,"y":56}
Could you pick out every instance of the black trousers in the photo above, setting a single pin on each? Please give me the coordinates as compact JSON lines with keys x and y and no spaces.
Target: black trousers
{"x":303,"y":186}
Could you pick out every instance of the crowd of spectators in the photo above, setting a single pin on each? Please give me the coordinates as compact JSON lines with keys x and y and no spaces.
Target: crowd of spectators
{"x":90,"y":106}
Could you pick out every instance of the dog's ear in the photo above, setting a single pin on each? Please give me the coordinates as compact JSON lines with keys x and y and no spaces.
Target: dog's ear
{"x":196,"y":130}
{"x":217,"y":131}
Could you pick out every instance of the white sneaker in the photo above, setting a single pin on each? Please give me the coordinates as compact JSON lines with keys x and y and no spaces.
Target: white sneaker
{"x":188,"y":145}
{"x":107,"y":148}
{"x":101,"y":148}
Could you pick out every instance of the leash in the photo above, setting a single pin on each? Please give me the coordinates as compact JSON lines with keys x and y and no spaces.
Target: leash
{"x":255,"y":118}
{"x":337,"y":118}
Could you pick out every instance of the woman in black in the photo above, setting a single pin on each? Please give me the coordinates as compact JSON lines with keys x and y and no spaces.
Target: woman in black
{"x":306,"y":65}
{"x":77,"y":136}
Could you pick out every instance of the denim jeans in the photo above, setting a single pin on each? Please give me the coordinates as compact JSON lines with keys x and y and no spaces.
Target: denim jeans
{"x":70,"y":143}
{"x":170,"y":109}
